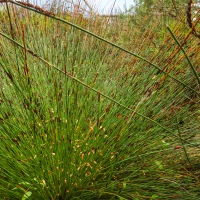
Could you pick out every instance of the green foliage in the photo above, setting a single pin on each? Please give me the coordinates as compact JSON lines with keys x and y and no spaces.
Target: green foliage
{"x":81,"y":117}
{"x":160,"y":7}
{"x":26,"y":195}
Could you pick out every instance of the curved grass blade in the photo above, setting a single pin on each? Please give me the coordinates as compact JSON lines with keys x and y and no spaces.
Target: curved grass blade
{"x":189,"y":61}
{"x":52,"y":15}
{"x":86,"y":85}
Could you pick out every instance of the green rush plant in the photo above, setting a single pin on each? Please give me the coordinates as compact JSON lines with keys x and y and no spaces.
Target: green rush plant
{"x":92,"y":108}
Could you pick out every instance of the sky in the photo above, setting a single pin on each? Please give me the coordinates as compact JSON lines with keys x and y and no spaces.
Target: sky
{"x":104,"y":6}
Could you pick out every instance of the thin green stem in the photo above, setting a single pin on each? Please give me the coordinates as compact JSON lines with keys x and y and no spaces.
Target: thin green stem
{"x":86,"y":85}
{"x":189,"y":61}
{"x":179,"y":134}
{"x":48,"y":14}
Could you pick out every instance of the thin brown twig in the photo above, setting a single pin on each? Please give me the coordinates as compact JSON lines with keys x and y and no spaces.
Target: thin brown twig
{"x":190,"y":21}
{"x":46,"y":12}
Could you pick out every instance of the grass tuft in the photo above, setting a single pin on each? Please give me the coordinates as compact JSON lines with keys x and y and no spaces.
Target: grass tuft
{"x":92,"y":108}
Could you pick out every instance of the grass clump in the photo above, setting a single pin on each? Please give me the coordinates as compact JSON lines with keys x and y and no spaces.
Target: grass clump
{"x":84,"y":119}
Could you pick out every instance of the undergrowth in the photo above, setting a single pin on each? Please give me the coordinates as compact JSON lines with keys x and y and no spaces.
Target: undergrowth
{"x":98,"y":108}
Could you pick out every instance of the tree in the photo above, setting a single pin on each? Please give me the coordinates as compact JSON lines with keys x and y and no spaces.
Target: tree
{"x":171,"y":7}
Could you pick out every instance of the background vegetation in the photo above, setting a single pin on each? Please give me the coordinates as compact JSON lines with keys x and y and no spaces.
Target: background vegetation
{"x":99,"y":107}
